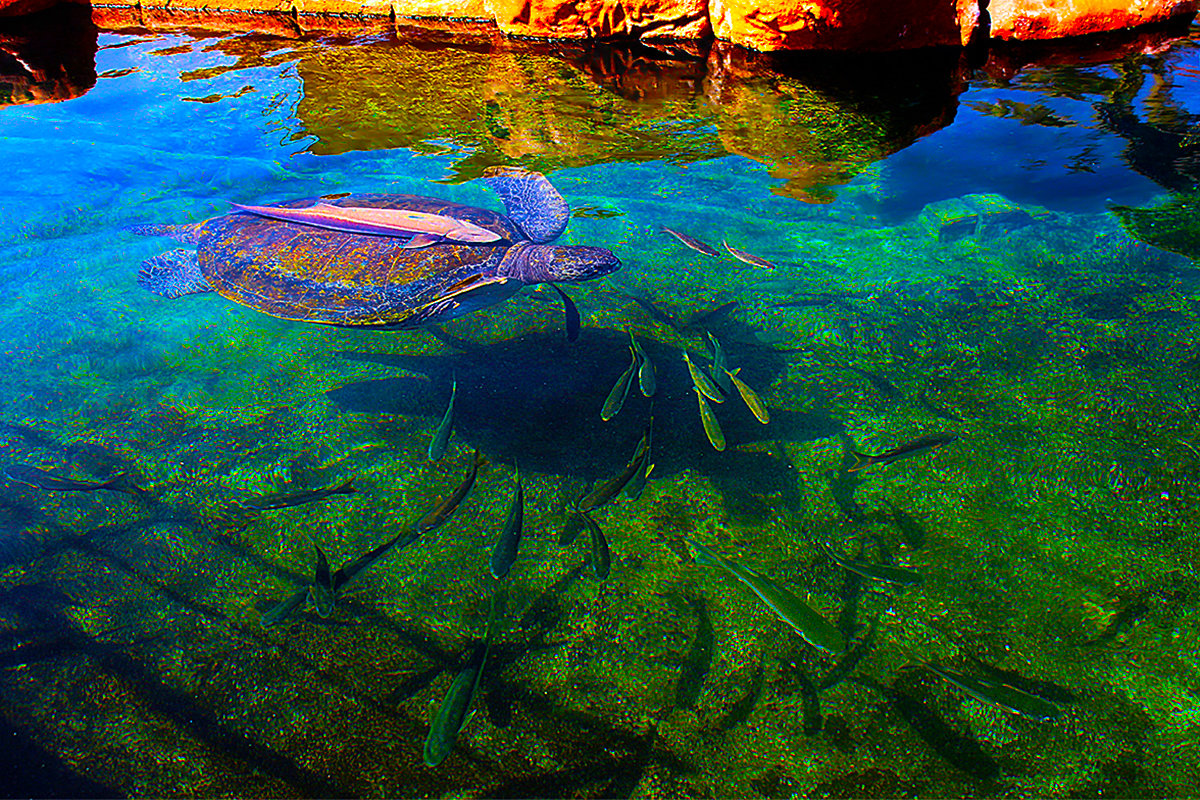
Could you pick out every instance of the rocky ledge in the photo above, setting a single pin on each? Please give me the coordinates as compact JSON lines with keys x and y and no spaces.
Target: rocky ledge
{"x":766,"y":25}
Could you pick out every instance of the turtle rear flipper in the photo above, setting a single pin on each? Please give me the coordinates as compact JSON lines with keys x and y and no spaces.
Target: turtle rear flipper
{"x":180,"y":233}
{"x":531,"y":202}
{"x":174,"y":274}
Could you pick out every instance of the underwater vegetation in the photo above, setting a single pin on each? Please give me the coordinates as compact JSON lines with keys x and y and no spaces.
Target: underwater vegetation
{"x":1173,"y":225}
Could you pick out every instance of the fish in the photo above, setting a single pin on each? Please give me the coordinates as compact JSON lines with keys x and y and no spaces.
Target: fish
{"x":616,"y":398}
{"x":1050,"y":691}
{"x":876,"y":572}
{"x":505,"y":551}
{"x":444,"y":509}
{"x":441,"y":436}
{"x":698,"y":659}
{"x":750,"y":397}
{"x":918,"y":446}
{"x":742,"y":255}
{"x":425,"y":229}
{"x":609,"y":489}
{"x":41,"y":479}
{"x":637,"y":484}
{"x":573,"y":324}
{"x":325,"y":587}
{"x":811,"y":626}
{"x":277,"y":500}
{"x":702,"y":382}
{"x":1000,"y":694}
{"x":718,"y":371}
{"x":601,"y":556}
{"x":712,"y":428}
{"x":692,"y":242}
{"x":647,"y":380}
{"x":451,"y":715}
{"x":963,"y":751}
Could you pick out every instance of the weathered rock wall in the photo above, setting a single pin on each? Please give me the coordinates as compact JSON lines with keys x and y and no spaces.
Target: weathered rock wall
{"x":765,"y":25}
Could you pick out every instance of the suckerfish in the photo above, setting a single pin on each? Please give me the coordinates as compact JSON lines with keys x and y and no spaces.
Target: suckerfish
{"x":425,"y":229}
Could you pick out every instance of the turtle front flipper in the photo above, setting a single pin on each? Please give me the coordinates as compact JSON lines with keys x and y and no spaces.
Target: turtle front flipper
{"x":532,"y":203}
{"x":174,"y":274}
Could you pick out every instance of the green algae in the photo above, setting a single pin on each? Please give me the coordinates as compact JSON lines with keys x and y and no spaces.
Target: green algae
{"x":1173,"y":225}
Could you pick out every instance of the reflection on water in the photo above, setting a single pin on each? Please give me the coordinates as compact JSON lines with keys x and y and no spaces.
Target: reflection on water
{"x":966,"y":271}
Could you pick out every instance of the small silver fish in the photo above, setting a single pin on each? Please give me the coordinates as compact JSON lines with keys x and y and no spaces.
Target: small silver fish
{"x":719,"y":366}
{"x":441,"y":437}
{"x":749,"y":397}
{"x":616,"y":397}
{"x":692,"y":242}
{"x":646,"y":377}
{"x":712,"y":428}
{"x":742,"y":255}
{"x":702,"y":382}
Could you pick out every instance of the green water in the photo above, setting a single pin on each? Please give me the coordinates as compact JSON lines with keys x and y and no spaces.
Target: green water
{"x":945,"y":261}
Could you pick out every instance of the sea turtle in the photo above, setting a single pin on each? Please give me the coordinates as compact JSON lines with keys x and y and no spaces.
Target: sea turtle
{"x":305,"y":272}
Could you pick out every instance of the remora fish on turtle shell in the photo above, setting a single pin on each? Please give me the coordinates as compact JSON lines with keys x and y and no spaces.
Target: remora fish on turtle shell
{"x":424,"y":228}
{"x":313,"y":274}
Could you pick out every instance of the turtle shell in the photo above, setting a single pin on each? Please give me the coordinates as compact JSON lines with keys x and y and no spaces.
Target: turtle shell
{"x":306,"y":273}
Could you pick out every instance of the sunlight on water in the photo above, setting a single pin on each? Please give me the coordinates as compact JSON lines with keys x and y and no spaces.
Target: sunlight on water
{"x":942,"y":325}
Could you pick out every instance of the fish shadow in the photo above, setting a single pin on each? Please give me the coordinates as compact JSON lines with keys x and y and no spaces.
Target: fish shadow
{"x":536,"y":399}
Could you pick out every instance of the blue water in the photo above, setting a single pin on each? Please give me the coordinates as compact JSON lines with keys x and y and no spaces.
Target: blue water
{"x":1055,"y":534}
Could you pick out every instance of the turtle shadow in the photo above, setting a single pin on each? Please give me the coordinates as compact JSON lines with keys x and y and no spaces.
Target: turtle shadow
{"x":536,"y":400}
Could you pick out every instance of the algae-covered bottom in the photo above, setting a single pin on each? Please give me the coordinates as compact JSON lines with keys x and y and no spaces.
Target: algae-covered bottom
{"x":949,"y":544}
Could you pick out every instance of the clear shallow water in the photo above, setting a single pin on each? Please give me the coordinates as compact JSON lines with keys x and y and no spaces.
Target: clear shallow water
{"x":1056,"y":535}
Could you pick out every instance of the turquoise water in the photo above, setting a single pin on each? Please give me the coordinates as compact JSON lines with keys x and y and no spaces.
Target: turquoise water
{"x":945,"y":259}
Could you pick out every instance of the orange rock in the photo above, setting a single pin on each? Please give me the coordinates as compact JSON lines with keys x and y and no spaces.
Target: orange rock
{"x":1052,"y":19}
{"x":597,"y":19}
{"x":860,"y":25}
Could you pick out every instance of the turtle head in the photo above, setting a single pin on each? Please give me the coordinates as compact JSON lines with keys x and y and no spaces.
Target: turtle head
{"x":548,"y":263}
